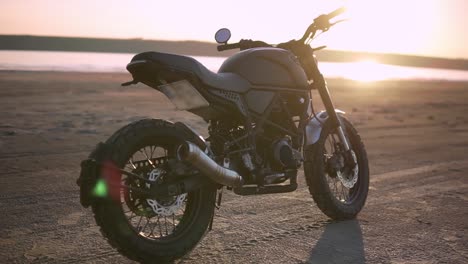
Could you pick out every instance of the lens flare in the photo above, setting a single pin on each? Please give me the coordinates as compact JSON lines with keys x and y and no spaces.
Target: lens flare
{"x":100,"y":189}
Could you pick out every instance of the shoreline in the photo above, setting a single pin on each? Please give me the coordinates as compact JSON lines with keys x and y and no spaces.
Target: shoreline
{"x":334,"y":80}
{"x":202,"y":48}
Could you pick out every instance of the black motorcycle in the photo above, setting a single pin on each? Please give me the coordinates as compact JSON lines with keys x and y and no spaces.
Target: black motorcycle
{"x":153,"y":185}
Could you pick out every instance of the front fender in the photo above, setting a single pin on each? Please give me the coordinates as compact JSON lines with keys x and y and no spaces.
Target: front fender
{"x":314,"y":128}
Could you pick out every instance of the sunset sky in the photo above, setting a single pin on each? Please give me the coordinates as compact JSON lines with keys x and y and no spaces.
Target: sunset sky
{"x":422,"y":27}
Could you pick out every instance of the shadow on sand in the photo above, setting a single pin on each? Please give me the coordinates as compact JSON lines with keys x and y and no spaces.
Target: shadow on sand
{"x":341,"y":242}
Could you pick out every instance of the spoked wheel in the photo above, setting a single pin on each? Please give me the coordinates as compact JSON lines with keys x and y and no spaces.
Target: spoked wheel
{"x":338,"y":187}
{"x":150,"y":229}
{"x":151,"y":218}
{"x":340,"y":178}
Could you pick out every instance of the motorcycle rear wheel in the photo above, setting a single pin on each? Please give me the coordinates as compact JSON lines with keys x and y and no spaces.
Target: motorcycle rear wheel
{"x":328,"y":190}
{"x":131,"y":223}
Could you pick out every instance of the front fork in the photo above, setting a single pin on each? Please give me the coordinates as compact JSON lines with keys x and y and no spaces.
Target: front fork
{"x":310,"y":66}
{"x":321,"y":86}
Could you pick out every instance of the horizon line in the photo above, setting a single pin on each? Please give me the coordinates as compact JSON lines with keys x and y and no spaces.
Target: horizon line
{"x":214,"y":43}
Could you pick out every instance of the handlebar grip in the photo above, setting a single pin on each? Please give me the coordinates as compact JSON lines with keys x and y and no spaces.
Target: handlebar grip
{"x":337,"y":12}
{"x":228,"y":46}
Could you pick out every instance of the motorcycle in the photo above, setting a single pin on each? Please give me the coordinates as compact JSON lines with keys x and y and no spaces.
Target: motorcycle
{"x":154,"y":185}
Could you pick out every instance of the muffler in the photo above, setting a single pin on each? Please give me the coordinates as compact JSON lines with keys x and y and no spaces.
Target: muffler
{"x":194,"y":155}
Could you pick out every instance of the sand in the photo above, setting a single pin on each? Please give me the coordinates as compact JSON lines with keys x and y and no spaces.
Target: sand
{"x":416,"y":134}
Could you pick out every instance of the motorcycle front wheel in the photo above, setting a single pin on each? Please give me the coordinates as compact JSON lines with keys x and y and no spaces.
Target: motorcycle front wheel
{"x":339,"y":190}
{"x":149,"y":230}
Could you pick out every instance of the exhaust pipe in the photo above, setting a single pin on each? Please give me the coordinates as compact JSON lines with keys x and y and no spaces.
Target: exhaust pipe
{"x":194,"y":155}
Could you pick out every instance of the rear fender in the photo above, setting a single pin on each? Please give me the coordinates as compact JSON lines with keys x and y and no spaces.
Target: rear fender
{"x":90,"y":171}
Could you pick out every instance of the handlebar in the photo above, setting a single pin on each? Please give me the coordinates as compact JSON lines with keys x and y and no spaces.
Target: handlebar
{"x":322,"y":22}
{"x":228,"y":46}
{"x":243,"y":44}
{"x":337,"y":12}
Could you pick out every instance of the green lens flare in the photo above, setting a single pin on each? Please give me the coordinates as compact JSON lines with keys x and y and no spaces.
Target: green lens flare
{"x":100,"y":190}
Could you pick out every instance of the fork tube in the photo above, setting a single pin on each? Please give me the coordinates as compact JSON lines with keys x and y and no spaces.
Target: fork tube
{"x":330,"y":108}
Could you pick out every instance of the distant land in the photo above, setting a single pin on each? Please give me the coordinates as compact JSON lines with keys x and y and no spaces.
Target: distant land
{"x":195,"y":48}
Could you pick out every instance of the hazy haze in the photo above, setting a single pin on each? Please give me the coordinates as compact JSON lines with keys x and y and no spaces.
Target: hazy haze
{"x":421,"y":27}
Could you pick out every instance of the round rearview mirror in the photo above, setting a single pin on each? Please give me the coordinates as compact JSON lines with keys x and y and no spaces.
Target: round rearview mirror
{"x":222,"y":35}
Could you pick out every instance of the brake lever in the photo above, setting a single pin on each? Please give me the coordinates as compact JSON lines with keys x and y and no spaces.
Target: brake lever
{"x":318,"y":48}
{"x":332,"y":24}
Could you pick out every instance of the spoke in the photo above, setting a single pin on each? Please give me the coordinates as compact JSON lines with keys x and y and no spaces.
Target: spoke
{"x":337,"y":184}
{"x":145,"y":153}
{"x":139,"y":222}
{"x":147,"y":158}
{"x":128,"y":167}
{"x":333,"y":138}
{"x":331,"y":183}
{"x":336,"y":188}
{"x":152,"y":230}
{"x":152,"y":149}
{"x":131,"y":217}
{"x":147,"y":221}
{"x":160,"y":229}
{"x":131,"y":213}
{"x":132,"y":164}
{"x":346,"y":192}
{"x":342,"y":191}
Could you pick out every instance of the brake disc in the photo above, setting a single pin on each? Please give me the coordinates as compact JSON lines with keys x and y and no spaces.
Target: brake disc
{"x":349,"y":177}
{"x":164,"y":206}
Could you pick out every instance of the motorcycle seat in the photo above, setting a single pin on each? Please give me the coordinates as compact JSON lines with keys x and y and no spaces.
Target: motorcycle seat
{"x":224,"y":81}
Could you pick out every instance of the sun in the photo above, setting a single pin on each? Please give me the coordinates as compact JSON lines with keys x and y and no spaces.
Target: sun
{"x":367,"y":71}
{"x":397,"y":26}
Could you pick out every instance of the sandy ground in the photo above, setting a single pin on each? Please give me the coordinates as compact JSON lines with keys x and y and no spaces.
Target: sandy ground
{"x":416,"y":135}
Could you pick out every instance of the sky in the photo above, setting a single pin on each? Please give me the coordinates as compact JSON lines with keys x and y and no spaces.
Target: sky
{"x":419,"y":27}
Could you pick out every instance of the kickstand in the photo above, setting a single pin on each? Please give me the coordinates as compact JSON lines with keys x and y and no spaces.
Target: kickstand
{"x":211,"y":223}
{"x":220,"y":196}
{"x":217,"y":205}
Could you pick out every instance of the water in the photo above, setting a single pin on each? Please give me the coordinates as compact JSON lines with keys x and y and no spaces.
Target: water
{"x":116,"y":62}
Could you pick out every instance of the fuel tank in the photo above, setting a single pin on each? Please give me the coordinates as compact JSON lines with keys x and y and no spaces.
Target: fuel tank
{"x":268,"y":67}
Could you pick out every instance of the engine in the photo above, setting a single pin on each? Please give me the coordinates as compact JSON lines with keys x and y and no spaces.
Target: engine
{"x":273,"y":159}
{"x":282,"y":154}
{"x":230,"y":145}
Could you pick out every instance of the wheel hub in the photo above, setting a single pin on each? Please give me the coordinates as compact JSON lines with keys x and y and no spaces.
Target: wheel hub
{"x":349,"y":176}
{"x":166,"y":206}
